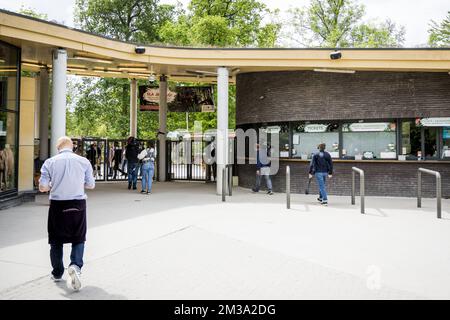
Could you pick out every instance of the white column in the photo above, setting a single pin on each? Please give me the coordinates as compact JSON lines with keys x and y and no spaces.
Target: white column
{"x":58,"y":97}
{"x":222,"y":125}
{"x":133,"y":108}
{"x":43,"y":114}
{"x":162,"y":128}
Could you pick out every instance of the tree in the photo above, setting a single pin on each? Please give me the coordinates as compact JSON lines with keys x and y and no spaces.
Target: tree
{"x":221,"y":23}
{"x":337,"y":23}
{"x":127,"y":20}
{"x":439,"y":33}
{"x":32,"y":13}
{"x":370,"y":35}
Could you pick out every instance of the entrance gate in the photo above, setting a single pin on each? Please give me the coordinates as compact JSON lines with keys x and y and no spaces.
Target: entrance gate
{"x":107,"y":157}
{"x":186,"y":160}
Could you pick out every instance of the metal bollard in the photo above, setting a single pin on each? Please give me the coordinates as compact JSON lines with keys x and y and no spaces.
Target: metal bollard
{"x":361,"y":186}
{"x":224,"y":182}
{"x":438,"y":189}
{"x":288,"y":187}
{"x":230,"y":180}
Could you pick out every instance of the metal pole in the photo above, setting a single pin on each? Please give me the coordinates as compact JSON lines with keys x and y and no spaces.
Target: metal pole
{"x":230,"y":180}
{"x":438,"y":194}
{"x":419,"y":189}
{"x":224,"y":181}
{"x":59,"y":90}
{"x":288,"y":187}
{"x":353,"y":187}
{"x":362,"y":190}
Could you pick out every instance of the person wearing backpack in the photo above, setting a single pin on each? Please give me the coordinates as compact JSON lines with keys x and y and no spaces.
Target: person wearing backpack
{"x":147,"y":157}
{"x":321,"y":166}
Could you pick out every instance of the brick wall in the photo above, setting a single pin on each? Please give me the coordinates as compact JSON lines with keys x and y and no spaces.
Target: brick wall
{"x":382,"y":179}
{"x":309,"y":95}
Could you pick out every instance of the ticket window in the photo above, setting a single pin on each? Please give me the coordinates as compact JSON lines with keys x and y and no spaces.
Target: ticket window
{"x":430,"y":142}
{"x":446,"y":143}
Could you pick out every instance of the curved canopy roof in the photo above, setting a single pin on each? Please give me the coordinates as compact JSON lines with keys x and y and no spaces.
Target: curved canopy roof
{"x":91,"y":54}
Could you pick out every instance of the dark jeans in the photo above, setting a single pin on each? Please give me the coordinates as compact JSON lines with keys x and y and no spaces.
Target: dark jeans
{"x":56,"y":257}
{"x":132,"y":173}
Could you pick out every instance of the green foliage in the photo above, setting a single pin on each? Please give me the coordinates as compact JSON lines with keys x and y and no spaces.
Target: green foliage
{"x":439,"y":33}
{"x":212,"y":30}
{"x":385,"y":35}
{"x":331,"y":21}
{"x":32,"y":13}
{"x":337,"y":23}
{"x":137,"y":20}
{"x":100,"y":109}
{"x":222,"y":23}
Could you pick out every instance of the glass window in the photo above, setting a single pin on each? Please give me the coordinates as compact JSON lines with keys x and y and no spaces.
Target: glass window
{"x":431,"y":137}
{"x":369,"y":140}
{"x":8,"y":150}
{"x":8,"y":77}
{"x":446,"y":143}
{"x":307,"y":136}
{"x":282,"y":130}
{"x":411,"y":140}
{"x":9,"y":95}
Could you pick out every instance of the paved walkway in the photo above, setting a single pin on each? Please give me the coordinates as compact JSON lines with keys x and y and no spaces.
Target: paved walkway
{"x":182,"y":242}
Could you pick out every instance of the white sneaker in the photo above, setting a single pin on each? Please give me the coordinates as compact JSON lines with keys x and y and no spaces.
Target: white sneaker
{"x":73,"y":280}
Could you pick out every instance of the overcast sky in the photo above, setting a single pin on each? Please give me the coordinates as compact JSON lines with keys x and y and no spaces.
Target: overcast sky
{"x":415,"y":15}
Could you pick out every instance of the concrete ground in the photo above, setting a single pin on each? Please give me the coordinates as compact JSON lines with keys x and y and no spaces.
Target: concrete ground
{"x":182,"y":242}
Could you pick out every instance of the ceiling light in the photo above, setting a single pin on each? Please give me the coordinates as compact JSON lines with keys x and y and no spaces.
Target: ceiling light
{"x":91,"y":59}
{"x":335,"y":70}
{"x":36,"y":65}
{"x":134,"y":69}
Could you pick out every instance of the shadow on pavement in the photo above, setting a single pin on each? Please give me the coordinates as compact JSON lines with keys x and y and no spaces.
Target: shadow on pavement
{"x":89,"y":293}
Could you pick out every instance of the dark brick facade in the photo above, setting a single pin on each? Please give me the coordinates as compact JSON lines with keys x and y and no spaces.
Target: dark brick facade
{"x":382,"y":178}
{"x":309,"y":95}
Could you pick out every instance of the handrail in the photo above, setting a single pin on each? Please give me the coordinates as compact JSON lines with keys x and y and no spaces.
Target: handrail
{"x":438,"y":189}
{"x":361,"y":186}
{"x":288,"y":187}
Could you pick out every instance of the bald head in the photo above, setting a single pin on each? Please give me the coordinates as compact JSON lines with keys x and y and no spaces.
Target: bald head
{"x":64,"y":143}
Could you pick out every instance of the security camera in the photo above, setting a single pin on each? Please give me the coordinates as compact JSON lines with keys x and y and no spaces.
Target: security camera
{"x":335,"y":55}
{"x":139,"y":50}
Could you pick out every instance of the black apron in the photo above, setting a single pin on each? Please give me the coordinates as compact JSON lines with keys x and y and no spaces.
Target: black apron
{"x":67,"y":221}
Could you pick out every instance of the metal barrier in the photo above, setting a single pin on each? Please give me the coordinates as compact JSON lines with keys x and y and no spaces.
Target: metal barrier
{"x":288,"y":187}
{"x":438,"y":189}
{"x":361,"y":186}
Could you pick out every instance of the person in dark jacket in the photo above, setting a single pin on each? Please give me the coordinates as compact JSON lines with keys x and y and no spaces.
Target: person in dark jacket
{"x":263,"y":168}
{"x":321,"y":166}
{"x":131,"y":154}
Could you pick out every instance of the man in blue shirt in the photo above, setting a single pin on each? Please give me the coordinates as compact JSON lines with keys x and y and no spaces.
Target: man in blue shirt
{"x":66,"y":176}
{"x":263,"y":168}
{"x":321,"y":166}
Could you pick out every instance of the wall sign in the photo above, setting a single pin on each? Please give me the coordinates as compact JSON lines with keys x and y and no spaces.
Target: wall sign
{"x":435,"y":122}
{"x":373,"y":126}
{"x":180,"y":99}
{"x":312,"y":128}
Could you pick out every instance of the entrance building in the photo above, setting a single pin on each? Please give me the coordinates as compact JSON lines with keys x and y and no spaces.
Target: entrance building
{"x":384,"y":110}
